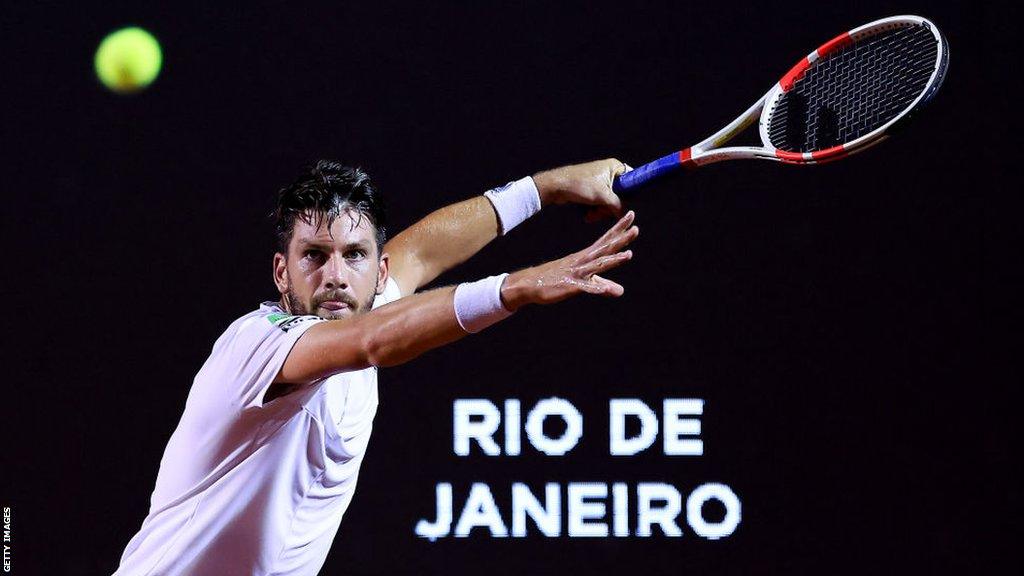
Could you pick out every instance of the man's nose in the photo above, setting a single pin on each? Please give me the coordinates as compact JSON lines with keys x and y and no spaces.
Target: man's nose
{"x":334,"y":273}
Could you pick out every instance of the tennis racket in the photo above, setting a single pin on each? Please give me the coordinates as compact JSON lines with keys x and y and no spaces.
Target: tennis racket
{"x":844,"y":97}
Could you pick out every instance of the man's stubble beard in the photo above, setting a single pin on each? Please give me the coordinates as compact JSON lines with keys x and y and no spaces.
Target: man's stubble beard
{"x":297,"y":307}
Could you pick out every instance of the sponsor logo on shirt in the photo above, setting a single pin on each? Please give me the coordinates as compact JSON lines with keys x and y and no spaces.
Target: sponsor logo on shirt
{"x":287,"y":321}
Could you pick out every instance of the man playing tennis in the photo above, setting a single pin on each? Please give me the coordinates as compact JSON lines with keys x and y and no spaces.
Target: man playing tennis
{"x":264,"y":462}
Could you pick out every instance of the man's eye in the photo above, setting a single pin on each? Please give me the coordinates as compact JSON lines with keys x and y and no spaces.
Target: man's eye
{"x":355,"y":254}
{"x":313,"y":254}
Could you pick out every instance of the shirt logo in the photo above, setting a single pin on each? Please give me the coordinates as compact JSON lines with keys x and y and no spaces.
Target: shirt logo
{"x":287,"y":321}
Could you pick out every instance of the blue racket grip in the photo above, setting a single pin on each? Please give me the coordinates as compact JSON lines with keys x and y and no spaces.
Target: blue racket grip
{"x":639,"y":176}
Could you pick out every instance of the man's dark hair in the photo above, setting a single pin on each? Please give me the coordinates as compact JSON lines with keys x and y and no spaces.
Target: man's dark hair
{"x":324,"y":190}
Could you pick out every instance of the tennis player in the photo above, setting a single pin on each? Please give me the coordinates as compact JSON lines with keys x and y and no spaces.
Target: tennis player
{"x":264,"y":462}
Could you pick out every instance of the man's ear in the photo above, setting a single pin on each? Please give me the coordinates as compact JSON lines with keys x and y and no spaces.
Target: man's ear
{"x":382,"y":273}
{"x":281,"y":273}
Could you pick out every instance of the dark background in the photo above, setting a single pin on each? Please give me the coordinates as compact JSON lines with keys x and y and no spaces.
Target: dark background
{"x":848,"y":325}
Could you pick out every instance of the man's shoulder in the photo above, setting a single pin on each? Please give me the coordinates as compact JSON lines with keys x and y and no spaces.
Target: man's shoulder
{"x":269,"y":315}
{"x":391,"y":293}
{"x":259,"y":336}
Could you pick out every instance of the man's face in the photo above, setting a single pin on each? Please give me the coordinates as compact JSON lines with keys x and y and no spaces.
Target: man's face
{"x":332,"y":273}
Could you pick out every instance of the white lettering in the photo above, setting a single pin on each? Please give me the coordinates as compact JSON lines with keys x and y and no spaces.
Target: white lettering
{"x":482,"y":431}
{"x":548,"y":517}
{"x":580,"y":510}
{"x":675,"y":427}
{"x":620,"y":510}
{"x":665,"y":516}
{"x":480,"y":511}
{"x":573,"y":426}
{"x":443,"y":524}
{"x":585,"y":508}
{"x":695,"y":517}
{"x":512,"y":424}
{"x":618,"y":410}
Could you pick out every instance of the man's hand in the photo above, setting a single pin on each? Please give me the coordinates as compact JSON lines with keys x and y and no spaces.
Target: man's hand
{"x":575,"y":274}
{"x":450,"y":235}
{"x":589,"y":184}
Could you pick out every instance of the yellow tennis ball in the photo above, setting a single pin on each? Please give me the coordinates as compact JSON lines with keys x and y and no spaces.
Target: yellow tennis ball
{"x":128,"y":60}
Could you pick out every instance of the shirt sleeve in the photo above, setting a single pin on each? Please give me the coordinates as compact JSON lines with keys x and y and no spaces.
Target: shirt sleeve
{"x":249,"y":355}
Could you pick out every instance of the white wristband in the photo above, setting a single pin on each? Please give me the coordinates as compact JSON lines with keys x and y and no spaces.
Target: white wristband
{"x":514,"y":202}
{"x":478,"y":304}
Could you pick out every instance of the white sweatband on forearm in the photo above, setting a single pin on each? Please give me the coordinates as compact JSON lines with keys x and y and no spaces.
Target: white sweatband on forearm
{"x":478,"y":304}
{"x":514,"y":202}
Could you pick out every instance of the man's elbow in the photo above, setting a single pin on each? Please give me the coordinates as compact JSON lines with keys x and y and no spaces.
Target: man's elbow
{"x":380,"y":353}
{"x":374,"y":351}
{"x":383,"y":350}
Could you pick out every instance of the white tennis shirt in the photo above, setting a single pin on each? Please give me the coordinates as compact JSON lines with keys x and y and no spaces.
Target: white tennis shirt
{"x":251,"y":488}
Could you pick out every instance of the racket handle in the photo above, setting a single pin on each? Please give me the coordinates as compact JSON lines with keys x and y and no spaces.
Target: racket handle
{"x":638,"y":177}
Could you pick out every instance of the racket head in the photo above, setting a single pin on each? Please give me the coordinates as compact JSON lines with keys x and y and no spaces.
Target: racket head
{"x":853,"y":90}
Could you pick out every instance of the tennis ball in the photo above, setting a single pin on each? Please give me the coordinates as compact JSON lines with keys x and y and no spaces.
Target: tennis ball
{"x":128,"y":60}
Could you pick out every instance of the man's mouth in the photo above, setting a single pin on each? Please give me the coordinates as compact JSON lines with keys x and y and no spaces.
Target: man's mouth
{"x":334,"y":305}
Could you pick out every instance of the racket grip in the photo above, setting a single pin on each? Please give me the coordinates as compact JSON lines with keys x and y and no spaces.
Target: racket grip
{"x":638,"y":177}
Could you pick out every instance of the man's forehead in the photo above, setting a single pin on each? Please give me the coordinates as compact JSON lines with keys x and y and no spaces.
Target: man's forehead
{"x":348,"y":226}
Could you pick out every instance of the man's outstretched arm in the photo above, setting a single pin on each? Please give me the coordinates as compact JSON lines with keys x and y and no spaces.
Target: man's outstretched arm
{"x":402,"y":330}
{"x":451,"y":235}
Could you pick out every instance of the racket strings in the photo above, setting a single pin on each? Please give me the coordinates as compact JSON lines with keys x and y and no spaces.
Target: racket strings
{"x":855,"y":91}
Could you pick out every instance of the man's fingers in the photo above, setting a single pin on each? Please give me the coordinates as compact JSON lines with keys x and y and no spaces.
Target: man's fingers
{"x":614,"y":243}
{"x":625,"y":239}
{"x":599,"y":247}
{"x":604,"y":263}
{"x":605,"y":287}
{"x":618,"y":166}
{"x":625,"y":222}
